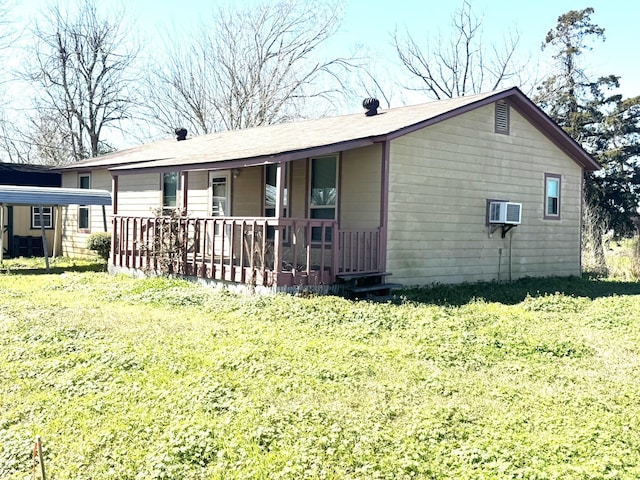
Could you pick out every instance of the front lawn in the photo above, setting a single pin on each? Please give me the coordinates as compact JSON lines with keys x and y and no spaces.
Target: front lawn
{"x":160,"y":379}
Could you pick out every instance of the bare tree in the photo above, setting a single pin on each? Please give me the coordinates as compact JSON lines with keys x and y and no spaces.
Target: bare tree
{"x":250,"y":67}
{"x":461,"y":65}
{"x":80,"y":65}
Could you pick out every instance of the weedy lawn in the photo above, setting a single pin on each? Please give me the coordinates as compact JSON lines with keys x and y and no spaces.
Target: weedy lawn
{"x":160,"y":379}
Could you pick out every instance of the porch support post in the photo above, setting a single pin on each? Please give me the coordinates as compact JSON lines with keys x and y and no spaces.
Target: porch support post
{"x":114,"y":194}
{"x":185,"y":188}
{"x":280,"y":180}
{"x":2,"y":232}
{"x":45,"y":249}
{"x":56,"y":230}
{"x":277,"y":238}
{"x":384,"y":207}
{"x":114,"y":221}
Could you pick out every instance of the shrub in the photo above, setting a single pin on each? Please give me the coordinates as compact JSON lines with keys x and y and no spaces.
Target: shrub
{"x":100,"y":242}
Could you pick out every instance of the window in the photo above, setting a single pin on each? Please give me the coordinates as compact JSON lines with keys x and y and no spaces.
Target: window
{"x":323,"y":193}
{"x":270,"y":172}
{"x":47,"y":217}
{"x":169,"y":192}
{"x":551,"y":196}
{"x":84,"y":181}
{"x":219,"y":196}
{"x":502,"y":118}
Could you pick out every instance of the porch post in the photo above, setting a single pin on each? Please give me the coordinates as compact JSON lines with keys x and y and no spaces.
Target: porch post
{"x":2,"y":232}
{"x":384,"y":207}
{"x":185,"y":187}
{"x":277,"y":238}
{"x":56,"y":230}
{"x":44,"y":238}
{"x":114,"y":194}
{"x":114,"y":221}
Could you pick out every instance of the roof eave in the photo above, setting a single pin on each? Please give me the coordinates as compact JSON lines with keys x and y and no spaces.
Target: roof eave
{"x":152,"y":167}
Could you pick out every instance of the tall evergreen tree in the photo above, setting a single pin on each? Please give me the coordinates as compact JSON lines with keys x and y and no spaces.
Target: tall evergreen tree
{"x":606,"y":125}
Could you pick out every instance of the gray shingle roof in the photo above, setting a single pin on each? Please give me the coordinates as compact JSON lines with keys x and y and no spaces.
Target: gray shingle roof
{"x":290,"y":141}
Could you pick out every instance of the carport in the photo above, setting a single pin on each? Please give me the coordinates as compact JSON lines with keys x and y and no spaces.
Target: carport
{"x":49,"y":197}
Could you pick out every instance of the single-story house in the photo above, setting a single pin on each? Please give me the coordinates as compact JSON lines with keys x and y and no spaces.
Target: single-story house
{"x":21,"y":223}
{"x":476,"y":188}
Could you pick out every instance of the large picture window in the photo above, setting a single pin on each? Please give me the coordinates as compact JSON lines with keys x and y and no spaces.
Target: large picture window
{"x":47,"y":217}
{"x":551,"y":196}
{"x":84,"y":220}
{"x":323,"y":193}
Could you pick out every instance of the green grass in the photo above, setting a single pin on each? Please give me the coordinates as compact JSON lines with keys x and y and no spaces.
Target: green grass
{"x":160,"y":379}
{"x":37,"y":265}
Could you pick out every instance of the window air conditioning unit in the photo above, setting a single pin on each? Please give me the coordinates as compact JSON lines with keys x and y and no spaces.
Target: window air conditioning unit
{"x":507,"y":213}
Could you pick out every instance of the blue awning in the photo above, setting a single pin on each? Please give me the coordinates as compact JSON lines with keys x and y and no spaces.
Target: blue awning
{"x":25,"y":195}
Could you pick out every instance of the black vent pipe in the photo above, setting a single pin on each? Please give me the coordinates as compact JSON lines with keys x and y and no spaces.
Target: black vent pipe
{"x":181,"y":133}
{"x":371,"y":104}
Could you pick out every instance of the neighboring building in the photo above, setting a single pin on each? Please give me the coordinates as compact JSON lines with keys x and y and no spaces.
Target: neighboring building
{"x":405,"y":191}
{"x":21,"y":224}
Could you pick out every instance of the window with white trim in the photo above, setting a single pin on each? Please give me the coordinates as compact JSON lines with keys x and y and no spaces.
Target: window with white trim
{"x":323,"y":193}
{"x":552,"y":186}
{"x":47,"y":217}
{"x":84,"y":221}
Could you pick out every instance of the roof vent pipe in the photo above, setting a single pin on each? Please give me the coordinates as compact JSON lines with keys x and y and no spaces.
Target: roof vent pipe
{"x":181,"y":133}
{"x":371,"y":104}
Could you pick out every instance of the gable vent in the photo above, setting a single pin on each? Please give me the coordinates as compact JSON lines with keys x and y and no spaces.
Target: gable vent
{"x":502,"y":117}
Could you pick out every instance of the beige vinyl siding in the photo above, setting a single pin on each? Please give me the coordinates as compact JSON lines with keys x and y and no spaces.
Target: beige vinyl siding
{"x":440,"y":179}
{"x":298,"y":187}
{"x":246,"y":192}
{"x":141,"y":194}
{"x":198,"y":195}
{"x":74,"y":243}
{"x":360,"y":188}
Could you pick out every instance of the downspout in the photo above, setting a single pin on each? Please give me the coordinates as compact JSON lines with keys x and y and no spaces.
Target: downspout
{"x":511,"y":255}
{"x":384,"y":206}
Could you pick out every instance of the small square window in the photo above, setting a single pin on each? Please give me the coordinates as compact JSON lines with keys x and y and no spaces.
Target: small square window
{"x":47,"y":217}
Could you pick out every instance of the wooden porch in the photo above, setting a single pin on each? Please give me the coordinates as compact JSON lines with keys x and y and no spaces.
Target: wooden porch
{"x":259,"y":251}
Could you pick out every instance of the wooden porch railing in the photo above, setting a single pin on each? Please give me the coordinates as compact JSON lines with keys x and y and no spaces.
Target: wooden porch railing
{"x":359,"y":251}
{"x":258,"y":251}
